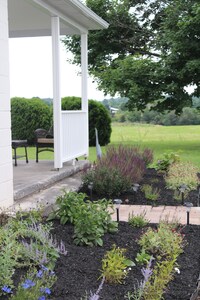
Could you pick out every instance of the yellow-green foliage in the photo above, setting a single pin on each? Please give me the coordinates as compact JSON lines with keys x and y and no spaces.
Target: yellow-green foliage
{"x":182,"y":173}
{"x":115,"y":265}
{"x":162,"y":275}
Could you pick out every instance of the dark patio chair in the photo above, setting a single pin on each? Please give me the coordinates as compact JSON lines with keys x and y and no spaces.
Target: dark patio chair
{"x":43,"y":141}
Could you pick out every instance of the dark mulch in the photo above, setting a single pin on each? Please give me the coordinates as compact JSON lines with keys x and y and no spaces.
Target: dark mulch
{"x":153,"y":178}
{"x":79,"y":271}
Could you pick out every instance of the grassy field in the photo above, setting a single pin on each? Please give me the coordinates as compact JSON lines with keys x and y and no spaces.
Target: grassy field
{"x":185,"y":140}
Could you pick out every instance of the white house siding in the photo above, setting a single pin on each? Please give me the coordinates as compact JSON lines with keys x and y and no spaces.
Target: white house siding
{"x":6,"y":165}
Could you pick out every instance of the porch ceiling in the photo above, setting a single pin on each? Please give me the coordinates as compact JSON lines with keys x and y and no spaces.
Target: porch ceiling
{"x":29,"y":18}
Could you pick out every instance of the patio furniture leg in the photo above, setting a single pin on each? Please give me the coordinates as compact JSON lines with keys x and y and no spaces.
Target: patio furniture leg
{"x":36,"y":154}
{"x":15,"y":156}
{"x":26,"y":154}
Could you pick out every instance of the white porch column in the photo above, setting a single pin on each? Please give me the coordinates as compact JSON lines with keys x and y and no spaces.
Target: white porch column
{"x":84,"y":82}
{"x":55,"y":27}
{"x":6,"y":165}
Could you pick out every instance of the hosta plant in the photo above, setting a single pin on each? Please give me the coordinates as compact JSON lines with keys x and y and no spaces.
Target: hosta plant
{"x":166,"y":161}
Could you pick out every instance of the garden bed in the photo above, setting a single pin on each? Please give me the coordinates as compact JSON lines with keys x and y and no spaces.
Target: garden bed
{"x":79,"y":270}
{"x":157,"y":181}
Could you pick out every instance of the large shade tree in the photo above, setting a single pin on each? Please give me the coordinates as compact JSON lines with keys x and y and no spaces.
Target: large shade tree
{"x":150,"y":52}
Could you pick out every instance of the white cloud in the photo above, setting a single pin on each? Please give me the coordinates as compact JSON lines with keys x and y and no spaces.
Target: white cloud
{"x":31,"y":70}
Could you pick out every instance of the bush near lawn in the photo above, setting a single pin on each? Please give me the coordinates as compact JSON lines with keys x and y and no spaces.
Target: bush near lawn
{"x":27,"y":115}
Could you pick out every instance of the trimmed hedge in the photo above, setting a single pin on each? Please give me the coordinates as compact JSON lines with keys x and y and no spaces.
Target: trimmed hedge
{"x":98,"y":117}
{"x":27,"y":115}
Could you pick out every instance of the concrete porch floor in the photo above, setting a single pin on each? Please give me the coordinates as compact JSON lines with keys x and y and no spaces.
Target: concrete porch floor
{"x":38,"y":184}
{"x":32,"y":177}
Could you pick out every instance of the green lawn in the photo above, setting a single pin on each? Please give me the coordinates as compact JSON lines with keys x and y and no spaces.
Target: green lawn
{"x":185,"y":140}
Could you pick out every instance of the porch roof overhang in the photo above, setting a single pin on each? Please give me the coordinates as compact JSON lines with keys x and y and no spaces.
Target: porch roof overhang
{"x":31,"y":18}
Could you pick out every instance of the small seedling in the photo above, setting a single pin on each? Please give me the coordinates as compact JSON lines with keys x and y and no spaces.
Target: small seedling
{"x":150,"y":192}
{"x":138,"y":220}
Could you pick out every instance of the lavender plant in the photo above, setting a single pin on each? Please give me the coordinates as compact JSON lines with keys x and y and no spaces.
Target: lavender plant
{"x":95,"y":296}
{"x":23,"y":243}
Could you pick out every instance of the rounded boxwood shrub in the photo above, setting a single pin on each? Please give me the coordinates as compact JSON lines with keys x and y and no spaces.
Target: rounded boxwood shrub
{"x":98,"y":117}
{"x":27,"y":115}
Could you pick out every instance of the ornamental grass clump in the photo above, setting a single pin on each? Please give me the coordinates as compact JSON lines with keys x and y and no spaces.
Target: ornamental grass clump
{"x":118,"y":170}
{"x":182,"y":173}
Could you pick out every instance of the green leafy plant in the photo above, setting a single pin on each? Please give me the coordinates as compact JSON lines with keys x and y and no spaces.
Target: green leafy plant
{"x":150,"y":192}
{"x":182,"y":173}
{"x":168,"y":159}
{"x":143,"y":257}
{"x":68,"y":206}
{"x":163,"y":241}
{"x":115,"y":265}
{"x":138,"y":220}
{"x":92,"y":221}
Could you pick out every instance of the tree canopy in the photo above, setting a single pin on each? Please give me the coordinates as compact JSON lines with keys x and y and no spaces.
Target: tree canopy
{"x":149,"y":54}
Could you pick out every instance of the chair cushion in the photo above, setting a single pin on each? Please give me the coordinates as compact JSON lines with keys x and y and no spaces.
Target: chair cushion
{"x":45,"y":141}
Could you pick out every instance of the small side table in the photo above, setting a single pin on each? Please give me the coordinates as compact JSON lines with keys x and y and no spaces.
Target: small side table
{"x":15,"y":145}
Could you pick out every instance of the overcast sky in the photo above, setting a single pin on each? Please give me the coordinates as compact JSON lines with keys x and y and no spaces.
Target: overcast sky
{"x":31,"y":71}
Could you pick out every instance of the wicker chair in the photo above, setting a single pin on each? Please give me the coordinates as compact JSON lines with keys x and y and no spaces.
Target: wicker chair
{"x":43,"y":141}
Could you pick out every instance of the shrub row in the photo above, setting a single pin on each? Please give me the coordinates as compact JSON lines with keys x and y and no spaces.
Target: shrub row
{"x":29,"y":114}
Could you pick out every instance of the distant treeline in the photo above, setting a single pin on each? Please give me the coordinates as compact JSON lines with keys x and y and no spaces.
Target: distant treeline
{"x":189,"y":116}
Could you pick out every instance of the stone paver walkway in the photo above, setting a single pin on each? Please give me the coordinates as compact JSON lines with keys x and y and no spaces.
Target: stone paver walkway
{"x":155,"y":214}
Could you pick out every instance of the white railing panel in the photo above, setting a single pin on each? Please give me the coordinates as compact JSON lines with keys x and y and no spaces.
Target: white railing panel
{"x":74,"y":134}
